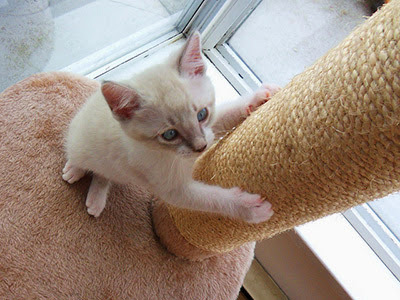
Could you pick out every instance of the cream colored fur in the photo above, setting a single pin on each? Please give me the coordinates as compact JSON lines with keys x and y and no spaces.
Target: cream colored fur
{"x":123,"y":142}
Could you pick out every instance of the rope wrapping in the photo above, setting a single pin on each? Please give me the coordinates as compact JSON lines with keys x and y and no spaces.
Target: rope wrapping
{"x":326,"y":142}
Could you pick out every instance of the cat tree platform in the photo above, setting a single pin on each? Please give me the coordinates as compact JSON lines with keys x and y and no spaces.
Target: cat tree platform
{"x":50,"y":248}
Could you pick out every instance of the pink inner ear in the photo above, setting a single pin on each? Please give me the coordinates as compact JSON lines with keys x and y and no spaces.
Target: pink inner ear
{"x":191,"y":62}
{"x":123,"y":101}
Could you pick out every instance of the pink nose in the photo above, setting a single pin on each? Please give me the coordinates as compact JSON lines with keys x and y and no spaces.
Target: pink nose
{"x":201,"y":148}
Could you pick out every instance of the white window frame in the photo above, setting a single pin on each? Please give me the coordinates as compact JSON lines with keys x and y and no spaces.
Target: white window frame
{"x":139,"y":44}
{"x":218,"y":30}
{"x":376,"y":234}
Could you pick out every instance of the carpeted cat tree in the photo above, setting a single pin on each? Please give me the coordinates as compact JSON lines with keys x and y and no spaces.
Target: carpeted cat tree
{"x":326,"y":142}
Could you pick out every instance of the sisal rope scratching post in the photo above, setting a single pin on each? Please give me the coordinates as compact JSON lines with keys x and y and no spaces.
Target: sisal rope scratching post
{"x":328,"y":141}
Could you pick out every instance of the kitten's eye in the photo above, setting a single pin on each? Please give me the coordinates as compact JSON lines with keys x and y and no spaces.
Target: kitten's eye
{"x":170,"y":134}
{"x":202,"y":114}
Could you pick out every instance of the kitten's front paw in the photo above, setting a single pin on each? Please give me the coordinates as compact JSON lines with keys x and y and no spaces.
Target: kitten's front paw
{"x":252,"y":208}
{"x":72,"y":174}
{"x":261,"y":96}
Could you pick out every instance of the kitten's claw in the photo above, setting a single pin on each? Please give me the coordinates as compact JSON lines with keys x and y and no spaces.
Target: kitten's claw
{"x":72,"y":174}
{"x":252,"y":207}
{"x":261,"y":96}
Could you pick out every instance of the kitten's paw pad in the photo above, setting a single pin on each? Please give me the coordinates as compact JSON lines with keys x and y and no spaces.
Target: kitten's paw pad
{"x":258,"y":213}
{"x":253,"y":208}
{"x":270,"y":88}
{"x":72,"y":174}
{"x":261,"y":96}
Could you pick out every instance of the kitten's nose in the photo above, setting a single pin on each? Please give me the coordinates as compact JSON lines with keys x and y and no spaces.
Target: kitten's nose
{"x":198,"y":144}
{"x":201,"y":148}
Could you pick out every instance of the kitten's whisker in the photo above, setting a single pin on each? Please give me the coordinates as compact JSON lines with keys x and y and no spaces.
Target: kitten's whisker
{"x":173,"y":168}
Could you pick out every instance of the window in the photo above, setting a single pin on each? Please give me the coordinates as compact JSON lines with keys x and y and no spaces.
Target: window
{"x":377,"y":222}
{"x":82,"y":36}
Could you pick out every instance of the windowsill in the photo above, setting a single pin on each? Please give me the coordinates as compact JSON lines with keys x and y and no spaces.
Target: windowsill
{"x":349,"y":259}
{"x":326,"y":259}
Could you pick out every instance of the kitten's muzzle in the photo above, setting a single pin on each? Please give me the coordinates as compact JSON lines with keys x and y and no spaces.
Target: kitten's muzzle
{"x":198,"y":144}
{"x":200,"y":149}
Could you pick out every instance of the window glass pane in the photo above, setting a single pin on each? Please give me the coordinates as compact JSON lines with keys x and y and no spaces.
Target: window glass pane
{"x":42,"y":35}
{"x":388,"y":210}
{"x":280,"y":38}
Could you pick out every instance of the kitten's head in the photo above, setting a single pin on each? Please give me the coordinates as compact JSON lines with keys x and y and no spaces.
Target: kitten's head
{"x":169,"y":106}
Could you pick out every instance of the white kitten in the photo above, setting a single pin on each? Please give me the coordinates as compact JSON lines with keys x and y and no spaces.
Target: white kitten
{"x":149,"y":131}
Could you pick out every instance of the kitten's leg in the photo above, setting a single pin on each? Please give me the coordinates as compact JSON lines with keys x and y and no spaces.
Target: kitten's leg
{"x":71,"y":173}
{"x":232,"y":202}
{"x":97,"y":195}
{"x":232,"y":113}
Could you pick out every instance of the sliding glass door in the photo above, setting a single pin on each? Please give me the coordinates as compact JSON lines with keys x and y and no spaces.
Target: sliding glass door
{"x":82,"y":36}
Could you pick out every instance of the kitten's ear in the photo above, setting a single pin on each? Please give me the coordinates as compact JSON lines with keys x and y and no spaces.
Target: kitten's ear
{"x":123,"y":101}
{"x":191,"y":62}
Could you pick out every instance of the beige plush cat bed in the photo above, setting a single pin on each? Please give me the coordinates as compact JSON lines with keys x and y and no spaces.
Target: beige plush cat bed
{"x":50,"y":248}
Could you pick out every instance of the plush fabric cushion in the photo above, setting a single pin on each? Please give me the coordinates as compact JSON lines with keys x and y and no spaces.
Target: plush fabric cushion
{"x":50,"y":248}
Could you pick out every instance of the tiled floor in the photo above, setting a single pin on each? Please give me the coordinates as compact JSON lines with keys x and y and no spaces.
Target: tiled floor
{"x":47,"y":35}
